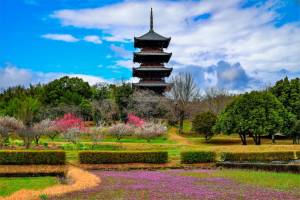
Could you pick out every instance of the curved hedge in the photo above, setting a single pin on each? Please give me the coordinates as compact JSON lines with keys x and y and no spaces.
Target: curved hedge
{"x":32,"y":157}
{"x":110,"y":157}
{"x":190,"y":157}
{"x":258,"y":156}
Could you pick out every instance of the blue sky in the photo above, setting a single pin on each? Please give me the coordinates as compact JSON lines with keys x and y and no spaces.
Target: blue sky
{"x":234,"y":44}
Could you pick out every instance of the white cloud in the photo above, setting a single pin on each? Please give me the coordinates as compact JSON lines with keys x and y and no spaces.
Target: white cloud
{"x":231,"y":33}
{"x":60,"y":37}
{"x":93,"y":39}
{"x":11,"y":76}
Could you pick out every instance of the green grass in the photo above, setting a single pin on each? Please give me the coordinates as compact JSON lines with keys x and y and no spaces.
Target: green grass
{"x":274,"y":180}
{"x":280,"y":181}
{"x":11,"y":185}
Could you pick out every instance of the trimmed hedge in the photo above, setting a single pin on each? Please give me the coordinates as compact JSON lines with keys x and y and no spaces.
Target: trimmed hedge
{"x":262,"y":166}
{"x":110,"y":157}
{"x":258,"y":156}
{"x":16,"y":157}
{"x":189,"y":157}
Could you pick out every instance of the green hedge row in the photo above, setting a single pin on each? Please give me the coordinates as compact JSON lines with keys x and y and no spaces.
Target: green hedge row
{"x":102,"y":157}
{"x":15,"y":157}
{"x":189,"y":157}
{"x":258,"y":156}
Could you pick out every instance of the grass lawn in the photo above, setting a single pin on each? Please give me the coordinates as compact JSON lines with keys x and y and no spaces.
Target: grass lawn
{"x":274,"y":180}
{"x":11,"y":185}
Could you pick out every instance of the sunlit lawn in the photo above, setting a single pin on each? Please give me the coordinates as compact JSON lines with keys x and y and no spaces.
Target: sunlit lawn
{"x":275,"y":180}
{"x":11,"y":185}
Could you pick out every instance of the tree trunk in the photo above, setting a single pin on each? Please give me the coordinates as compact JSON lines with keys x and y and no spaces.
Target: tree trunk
{"x":181,"y":118}
{"x":243,"y":138}
{"x":273,"y":139}
{"x":256,"y":139}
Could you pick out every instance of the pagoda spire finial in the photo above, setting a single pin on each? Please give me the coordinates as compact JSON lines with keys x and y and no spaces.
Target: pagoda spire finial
{"x":151,"y":20}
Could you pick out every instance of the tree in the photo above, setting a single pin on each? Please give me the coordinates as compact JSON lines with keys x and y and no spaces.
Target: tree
{"x":203,"y":123}
{"x":44,"y":127}
{"x":148,"y":105}
{"x":184,"y":91}
{"x":66,"y":90}
{"x":27,"y":135}
{"x":215,"y":100}
{"x":253,"y":114}
{"x":7,"y":125}
{"x":296,"y":132}
{"x":122,"y":96}
{"x":120,"y":130}
{"x":288,"y":93}
{"x":150,"y":130}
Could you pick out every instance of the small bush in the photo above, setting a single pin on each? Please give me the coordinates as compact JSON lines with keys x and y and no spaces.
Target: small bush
{"x":203,"y":123}
{"x":12,"y":157}
{"x":190,"y":157}
{"x":258,"y":156}
{"x":97,"y":157}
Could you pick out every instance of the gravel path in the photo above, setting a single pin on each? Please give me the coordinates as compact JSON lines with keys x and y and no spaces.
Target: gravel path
{"x":173,"y":185}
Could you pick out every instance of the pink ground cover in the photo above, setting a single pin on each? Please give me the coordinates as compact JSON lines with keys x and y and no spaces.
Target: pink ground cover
{"x":172,"y":184}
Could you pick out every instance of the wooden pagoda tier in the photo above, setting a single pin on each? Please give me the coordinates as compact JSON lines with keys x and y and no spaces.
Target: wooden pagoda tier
{"x":152,"y":58}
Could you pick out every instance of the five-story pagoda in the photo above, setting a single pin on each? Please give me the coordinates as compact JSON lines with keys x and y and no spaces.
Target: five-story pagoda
{"x":152,"y":58}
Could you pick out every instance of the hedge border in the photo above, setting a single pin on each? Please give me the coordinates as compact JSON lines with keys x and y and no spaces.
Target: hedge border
{"x":32,"y":157}
{"x":113,"y":157}
{"x":190,"y":157}
{"x":257,"y":156}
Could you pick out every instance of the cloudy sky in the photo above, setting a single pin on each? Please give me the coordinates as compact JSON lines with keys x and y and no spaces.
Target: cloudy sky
{"x":238,"y":45}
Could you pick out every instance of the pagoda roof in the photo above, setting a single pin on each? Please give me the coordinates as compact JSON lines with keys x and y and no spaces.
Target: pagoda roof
{"x":144,"y":71}
{"x":161,"y":57}
{"x":152,"y":84}
{"x":151,"y":38}
{"x":152,"y":69}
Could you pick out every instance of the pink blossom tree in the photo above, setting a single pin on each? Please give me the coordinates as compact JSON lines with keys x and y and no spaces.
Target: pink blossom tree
{"x":134,"y":120}
{"x":71,"y":127}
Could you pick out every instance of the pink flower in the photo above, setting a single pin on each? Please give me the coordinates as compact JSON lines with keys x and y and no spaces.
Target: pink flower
{"x":134,"y":120}
{"x":69,"y":121}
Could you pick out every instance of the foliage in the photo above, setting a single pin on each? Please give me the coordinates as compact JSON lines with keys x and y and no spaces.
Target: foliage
{"x":258,"y":156}
{"x":150,"y":130}
{"x":66,"y":90}
{"x":296,"y":132}
{"x":120,"y":130}
{"x":122,"y":95}
{"x":254,"y":114}
{"x":134,"y":120}
{"x":190,"y":157}
{"x":288,"y":93}
{"x":203,"y":123}
{"x":94,"y":157}
{"x":32,"y":157}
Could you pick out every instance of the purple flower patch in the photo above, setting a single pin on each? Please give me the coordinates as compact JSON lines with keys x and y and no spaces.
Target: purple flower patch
{"x":174,"y":185}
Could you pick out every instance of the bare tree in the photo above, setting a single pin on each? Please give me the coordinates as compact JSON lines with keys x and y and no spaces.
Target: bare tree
{"x":147,"y":104}
{"x":215,"y":100}
{"x":183,"y":92}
